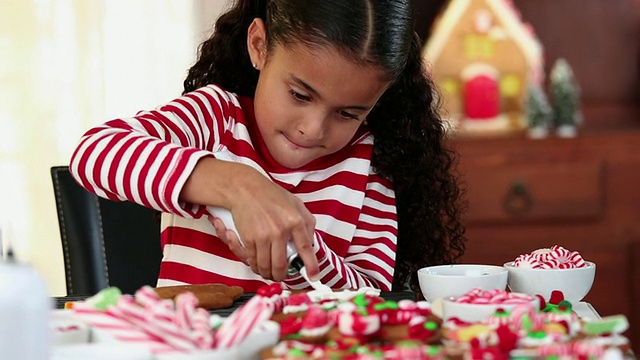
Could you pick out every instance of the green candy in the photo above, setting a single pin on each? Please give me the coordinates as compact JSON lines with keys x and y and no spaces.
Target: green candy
{"x":615,"y":324}
{"x":105,"y":298}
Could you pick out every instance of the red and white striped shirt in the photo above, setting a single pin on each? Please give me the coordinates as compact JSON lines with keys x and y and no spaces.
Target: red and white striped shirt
{"x":147,"y":159}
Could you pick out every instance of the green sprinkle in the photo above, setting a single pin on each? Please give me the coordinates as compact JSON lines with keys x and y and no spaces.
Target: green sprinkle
{"x":431,"y":325}
{"x":537,"y":334}
{"x":386,"y":305}
{"x":360,"y":300}
{"x":433,"y":350}
{"x":297,"y":352}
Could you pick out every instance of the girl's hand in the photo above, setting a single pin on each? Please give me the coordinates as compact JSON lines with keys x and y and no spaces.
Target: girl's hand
{"x":229,"y":237}
{"x":267,"y":217}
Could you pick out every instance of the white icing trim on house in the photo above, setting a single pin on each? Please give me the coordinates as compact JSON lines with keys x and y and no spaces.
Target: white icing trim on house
{"x":443,"y":29}
{"x":513,"y":24}
{"x":472,"y":70}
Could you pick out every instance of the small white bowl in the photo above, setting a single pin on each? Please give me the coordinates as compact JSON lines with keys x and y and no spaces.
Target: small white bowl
{"x":457,"y":279}
{"x":477,"y":312}
{"x":66,"y":329}
{"x":574,"y":283}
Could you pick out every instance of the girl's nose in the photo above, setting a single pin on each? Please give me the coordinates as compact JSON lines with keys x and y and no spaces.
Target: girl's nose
{"x":312,"y":126}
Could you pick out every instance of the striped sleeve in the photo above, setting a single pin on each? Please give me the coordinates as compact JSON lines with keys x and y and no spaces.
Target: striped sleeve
{"x":370,"y":259}
{"x":147,"y":158}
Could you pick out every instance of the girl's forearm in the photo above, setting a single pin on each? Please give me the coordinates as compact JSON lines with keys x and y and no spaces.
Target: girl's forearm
{"x":213,"y":182}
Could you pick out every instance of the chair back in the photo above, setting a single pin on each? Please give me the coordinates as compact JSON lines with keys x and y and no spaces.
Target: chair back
{"x":105,"y":243}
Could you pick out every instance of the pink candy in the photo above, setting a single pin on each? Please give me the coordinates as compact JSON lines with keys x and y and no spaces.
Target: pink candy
{"x":496,"y":297}
{"x":555,"y":257}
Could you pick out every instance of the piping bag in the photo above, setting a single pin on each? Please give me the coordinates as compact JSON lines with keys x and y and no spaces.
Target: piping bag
{"x":295,"y":263}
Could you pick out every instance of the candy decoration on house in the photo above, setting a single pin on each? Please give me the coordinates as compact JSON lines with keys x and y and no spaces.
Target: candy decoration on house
{"x":539,"y":113}
{"x":565,"y":94}
{"x":483,"y":57}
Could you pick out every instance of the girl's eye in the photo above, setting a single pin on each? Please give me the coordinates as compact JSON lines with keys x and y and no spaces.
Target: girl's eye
{"x":349,"y":115}
{"x":298,"y":97}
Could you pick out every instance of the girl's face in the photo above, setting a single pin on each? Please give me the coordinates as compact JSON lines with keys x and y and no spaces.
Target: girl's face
{"x":309,"y":102}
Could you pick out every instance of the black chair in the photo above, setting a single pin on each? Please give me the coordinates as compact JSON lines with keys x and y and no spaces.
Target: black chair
{"x":105,"y":243}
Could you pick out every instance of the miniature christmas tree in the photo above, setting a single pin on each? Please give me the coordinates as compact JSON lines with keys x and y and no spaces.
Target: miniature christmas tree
{"x":539,"y":112}
{"x":566,"y":103}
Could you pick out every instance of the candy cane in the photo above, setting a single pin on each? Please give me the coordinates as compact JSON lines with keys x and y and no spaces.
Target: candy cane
{"x":114,"y":324}
{"x":238,"y":326}
{"x":202,"y":334}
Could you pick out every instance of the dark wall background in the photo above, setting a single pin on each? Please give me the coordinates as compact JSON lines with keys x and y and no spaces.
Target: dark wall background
{"x":599,"y":38}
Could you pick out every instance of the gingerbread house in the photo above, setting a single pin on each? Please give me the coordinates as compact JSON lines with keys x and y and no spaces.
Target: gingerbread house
{"x":483,"y":58}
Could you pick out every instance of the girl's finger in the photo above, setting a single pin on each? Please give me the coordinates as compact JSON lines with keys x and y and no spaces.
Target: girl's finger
{"x":279,"y":262}
{"x":220,"y":228}
{"x":304,"y":245}
{"x":263,"y":258}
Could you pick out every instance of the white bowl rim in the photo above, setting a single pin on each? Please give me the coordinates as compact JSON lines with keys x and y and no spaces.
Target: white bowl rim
{"x":509,"y":265}
{"x":497,"y":268}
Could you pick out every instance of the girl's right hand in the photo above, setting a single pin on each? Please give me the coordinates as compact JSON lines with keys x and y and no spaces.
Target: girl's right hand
{"x":266,"y":215}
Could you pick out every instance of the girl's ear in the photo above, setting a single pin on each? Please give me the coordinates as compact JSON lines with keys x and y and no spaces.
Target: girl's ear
{"x":257,"y":43}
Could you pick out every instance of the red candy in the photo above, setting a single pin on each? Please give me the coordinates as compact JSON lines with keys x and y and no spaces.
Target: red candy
{"x":270,"y":290}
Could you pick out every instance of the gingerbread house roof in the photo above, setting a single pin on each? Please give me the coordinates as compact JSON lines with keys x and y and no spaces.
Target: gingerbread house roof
{"x":503,"y":10}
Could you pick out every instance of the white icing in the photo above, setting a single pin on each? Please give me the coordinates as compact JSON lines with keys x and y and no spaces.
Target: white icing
{"x":292,"y":309}
{"x":317,"y":331}
{"x":405,"y":304}
{"x":316,"y":284}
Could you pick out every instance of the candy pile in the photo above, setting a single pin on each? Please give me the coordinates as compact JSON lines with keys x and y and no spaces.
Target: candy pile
{"x":355,"y":325}
{"x":177,"y":325}
{"x":552,"y":330}
{"x":555,"y":257}
{"x":479,"y":296}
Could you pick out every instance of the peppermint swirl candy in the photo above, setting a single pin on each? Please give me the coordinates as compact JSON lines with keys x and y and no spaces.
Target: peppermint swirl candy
{"x":555,"y":257}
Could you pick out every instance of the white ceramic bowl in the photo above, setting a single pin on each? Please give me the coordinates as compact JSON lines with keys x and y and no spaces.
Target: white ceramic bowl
{"x":455,"y":280}
{"x":67,"y":329}
{"x":476,"y":312}
{"x":574,"y":283}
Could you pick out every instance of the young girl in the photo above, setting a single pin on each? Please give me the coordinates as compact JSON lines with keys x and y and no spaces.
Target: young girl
{"x":330,"y":123}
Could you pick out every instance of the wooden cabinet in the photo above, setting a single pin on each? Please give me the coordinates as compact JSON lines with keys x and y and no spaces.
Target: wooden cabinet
{"x":581,"y":193}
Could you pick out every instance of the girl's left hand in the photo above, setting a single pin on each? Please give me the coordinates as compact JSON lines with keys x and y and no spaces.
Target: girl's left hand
{"x":230,"y":238}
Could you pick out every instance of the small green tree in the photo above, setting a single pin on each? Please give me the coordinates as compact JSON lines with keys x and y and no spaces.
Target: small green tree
{"x":539,"y":112}
{"x":565,"y":95}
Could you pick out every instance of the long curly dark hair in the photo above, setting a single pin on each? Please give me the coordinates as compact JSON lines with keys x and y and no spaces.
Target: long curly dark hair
{"x":410,"y":137}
